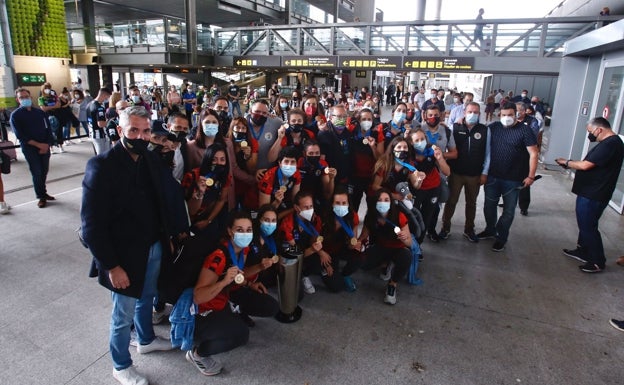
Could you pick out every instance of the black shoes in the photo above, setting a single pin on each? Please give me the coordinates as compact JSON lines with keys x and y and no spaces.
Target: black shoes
{"x":485,"y":235}
{"x":498,"y":246}
{"x":591,"y":268}
{"x":471,"y":236}
{"x":575,"y":254}
{"x":619,"y":325}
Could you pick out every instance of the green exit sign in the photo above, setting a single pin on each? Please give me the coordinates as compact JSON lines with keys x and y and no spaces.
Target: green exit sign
{"x":25,"y":80}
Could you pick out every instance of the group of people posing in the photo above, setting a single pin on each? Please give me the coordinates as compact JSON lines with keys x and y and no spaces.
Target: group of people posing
{"x":168,"y":218}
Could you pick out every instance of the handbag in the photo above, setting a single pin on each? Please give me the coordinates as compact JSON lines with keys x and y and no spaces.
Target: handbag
{"x":5,"y":163}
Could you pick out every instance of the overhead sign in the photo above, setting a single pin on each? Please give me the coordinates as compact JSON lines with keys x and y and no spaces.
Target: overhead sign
{"x":438,"y":63}
{"x":371,"y":62}
{"x":24,"y":79}
{"x":256,"y":61}
{"x":310,"y":61}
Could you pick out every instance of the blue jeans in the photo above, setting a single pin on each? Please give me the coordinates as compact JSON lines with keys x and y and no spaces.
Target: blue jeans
{"x":39,"y":165}
{"x":494,"y":189}
{"x":126,"y":309}
{"x":588,"y":213}
{"x":236,"y":105}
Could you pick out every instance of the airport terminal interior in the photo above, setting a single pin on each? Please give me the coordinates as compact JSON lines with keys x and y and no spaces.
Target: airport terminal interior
{"x":525,"y":315}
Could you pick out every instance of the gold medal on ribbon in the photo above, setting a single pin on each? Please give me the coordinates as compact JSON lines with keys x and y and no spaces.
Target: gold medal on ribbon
{"x":320,"y":238}
{"x":275,"y":259}
{"x":397,"y":230}
{"x":326,"y":170}
{"x":283,"y":189}
{"x":209,"y":182}
{"x":365,"y":142}
{"x":239,"y":278}
{"x":354,"y":241}
{"x":243,"y":144}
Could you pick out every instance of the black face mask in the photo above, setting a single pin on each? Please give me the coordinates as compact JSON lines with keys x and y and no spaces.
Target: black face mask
{"x":239,"y":136}
{"x":223,"y":117}
{"x":591,"y":137}
{"x":258,"y":119}
{"x":135,"y":146}
{"x":296,"y":128}
{"x":401,"y":155}
{"x":157,"y":148}
{"x":313,"y":160}
{"x":181,"y":136}
{"x":218,"y":169}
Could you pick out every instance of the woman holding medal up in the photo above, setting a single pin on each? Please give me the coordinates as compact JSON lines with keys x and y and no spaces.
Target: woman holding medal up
{"x":367,"y":148}
{"x":429,"y":160}
{"x":389,"y":238}
{"x":245,"y":153}
{"x":302,"y":229}
{"x":340,"y":224}
{"x":296,"y":134}
{"x":264,"y":244}
{"x":206,"y":191}
{"x":225,"y":277}
{"x":281,"y":183}
{"x":395,"y":167}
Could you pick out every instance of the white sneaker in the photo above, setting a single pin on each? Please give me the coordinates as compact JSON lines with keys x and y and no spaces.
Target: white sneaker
{"x":308,"y":287}
{"x":158,"y":344}
{"x":206,"y":365}
{"x":390,"y":295}
{"x":159,"y":316}
{"x":61,"y":150}
{"x":386,"y":276}
{"x":4,"y":208}
{"x":129,"y":376}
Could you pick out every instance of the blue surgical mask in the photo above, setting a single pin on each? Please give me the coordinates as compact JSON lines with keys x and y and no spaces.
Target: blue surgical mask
{"x":341,"y":210}
{"x":284,"y":105}
{"x":288,"y":170}
{"x":136,"y":99}
{"x":211,"y":129}
{"x":242,"y":239}
{"x":420,"y":146}
{"x":472,"y":118}
{"x":26,"y":102}
{"x":382,"y":207}
{"x":399,"y":117}
{"x":268,"y":228}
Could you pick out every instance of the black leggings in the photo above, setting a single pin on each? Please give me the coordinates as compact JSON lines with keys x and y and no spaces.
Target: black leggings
{"x":402,"y":258}
{"x":312,"y":265}
{"x":221,"y":331}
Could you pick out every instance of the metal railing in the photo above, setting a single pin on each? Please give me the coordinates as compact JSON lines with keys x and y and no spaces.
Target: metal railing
{"x":543,"y":37}
{"x":502,"y":37}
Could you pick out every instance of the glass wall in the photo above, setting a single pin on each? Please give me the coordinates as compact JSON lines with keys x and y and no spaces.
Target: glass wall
{"x":610,"y":106}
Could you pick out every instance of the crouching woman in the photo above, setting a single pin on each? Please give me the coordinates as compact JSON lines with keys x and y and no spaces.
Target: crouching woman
{"x":222,"y":281}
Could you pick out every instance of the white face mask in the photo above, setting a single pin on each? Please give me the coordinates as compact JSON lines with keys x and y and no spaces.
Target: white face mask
{"x":366,"y":125}
{"x":307,"y":214}
{"x":507,"y":121}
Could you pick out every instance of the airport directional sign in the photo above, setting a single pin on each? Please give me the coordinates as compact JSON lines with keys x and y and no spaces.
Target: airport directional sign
{"x":310,"y":61}
{"x":438,"y":63}
{"x":375,"y":63}
{"x":257,"y":61}
{"x":28,"y":79}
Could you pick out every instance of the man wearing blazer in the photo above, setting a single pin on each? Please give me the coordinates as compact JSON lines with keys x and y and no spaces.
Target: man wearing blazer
{"x":124,"y":223}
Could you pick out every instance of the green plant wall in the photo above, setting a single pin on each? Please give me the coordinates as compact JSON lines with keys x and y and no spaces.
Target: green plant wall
{"x":38,"y":27}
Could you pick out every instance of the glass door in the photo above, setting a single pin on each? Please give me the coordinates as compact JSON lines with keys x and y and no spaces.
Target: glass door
{"x":610,"y":105}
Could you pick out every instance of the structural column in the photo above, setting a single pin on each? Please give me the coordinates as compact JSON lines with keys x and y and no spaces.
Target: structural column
{"x":190,"y":10}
